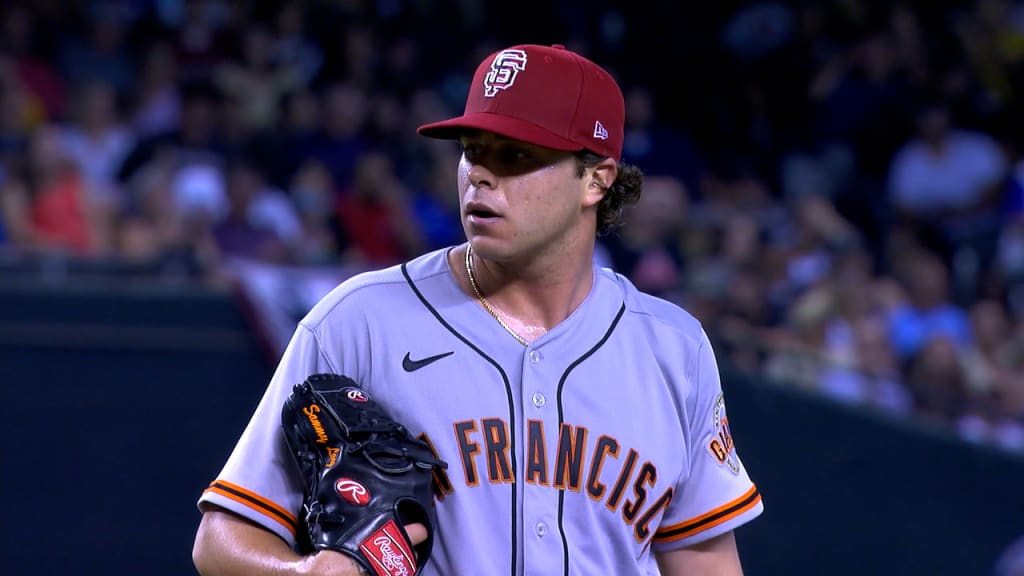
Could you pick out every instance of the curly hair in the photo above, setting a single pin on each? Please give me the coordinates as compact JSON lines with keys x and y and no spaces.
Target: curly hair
{"x":623,"y":192}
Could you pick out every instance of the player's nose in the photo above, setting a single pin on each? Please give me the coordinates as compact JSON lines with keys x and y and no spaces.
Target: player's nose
{"x":480,"y":176}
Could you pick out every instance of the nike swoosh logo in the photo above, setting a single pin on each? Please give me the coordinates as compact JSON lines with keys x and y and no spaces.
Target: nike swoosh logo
{"x":411,"y":365}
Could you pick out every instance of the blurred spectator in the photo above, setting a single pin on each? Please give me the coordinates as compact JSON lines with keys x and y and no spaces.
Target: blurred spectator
{"x":375,"y":212}
{"x":990,"y":419}
{"x":101,"y":51}
{"x":928,"y":312}
{"x":258,"y":224}
{"x":202,"y":38}
{"x":874,"y":378}
{"x":388,"y":131}
{"x":995,"y":383}
{"x":164,"y":227}
{"x":195,"y":140}
{"x":741,"y":318}
{"x":356,"y":56}
{"x":992,"y":36}
{"x":647,"y":249}
{"x":296,"y":139}
{"x":19,"y":114}
{"x":401,"y":69}
{"x":97,"y":140}
{"x":198,"y":190}
{"x":795,"y":351}
{"x":658,"y":147}
{"x":938,"y":383}
{"x":758,"y":29}
{"x":60,"y":213}
{"x":293,"y":48}
{"x":14,"y":226}
{"x":807,"y":248}
{"x":724,"y":245}
{"x":156,"y":105}
{"x":254,"y":83}
{"x":342,"y":139}
{"x":944,"y":184}
{"x":861,"y":102}
{"x":33,"y":69}
{"x":995,"y":351}
{"x":1009,"y":257}
{"x":422,"y":154}
{"x":313,"y":193}
{"x":861,"y":298}
{"x":436,"y":202}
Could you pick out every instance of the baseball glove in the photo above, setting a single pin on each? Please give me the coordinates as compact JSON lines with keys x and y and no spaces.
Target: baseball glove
{"x":365,"y":476}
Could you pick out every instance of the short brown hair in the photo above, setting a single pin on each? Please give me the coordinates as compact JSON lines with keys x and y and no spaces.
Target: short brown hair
{"x":623,"y":192}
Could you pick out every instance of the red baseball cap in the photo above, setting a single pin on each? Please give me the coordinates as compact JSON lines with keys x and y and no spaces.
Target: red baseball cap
{"x":549,"y":96}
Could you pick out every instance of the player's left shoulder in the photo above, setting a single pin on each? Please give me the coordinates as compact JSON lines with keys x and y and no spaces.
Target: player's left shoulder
{"x":663,"y":318}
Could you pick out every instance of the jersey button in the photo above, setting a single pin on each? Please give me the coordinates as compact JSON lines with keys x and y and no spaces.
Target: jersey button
{"x":541,"y":529}
{"x":535,"y":356}
{"x":539,"y":400}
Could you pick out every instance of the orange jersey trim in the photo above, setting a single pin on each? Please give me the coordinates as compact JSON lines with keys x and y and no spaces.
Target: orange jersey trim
{"x":709,"y":519}
{"x":254,"y":501}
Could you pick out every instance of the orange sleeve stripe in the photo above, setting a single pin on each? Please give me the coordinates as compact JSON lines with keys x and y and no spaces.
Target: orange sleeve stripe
{"x":709,"y":519}
{"x":254,"y":501}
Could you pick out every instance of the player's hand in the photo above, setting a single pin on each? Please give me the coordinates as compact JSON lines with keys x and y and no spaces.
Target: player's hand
{"x":331,"y":563}
{"x":417,"y":532}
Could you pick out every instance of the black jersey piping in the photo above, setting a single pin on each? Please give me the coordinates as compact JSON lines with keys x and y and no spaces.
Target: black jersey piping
{"x":561,"y":420}
{"x":508,"y":392}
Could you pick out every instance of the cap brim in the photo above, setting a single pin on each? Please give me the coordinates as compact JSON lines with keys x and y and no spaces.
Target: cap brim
{"x":506,"y":126}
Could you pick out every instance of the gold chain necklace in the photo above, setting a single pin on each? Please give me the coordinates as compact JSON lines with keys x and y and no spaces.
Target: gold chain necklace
{"x":487,"y":305}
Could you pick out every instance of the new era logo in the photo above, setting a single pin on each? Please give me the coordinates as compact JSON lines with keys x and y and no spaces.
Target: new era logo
{"x":600,"y":132}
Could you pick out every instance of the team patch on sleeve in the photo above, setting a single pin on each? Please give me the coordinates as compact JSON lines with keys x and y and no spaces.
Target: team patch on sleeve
{"x":721,"y":444}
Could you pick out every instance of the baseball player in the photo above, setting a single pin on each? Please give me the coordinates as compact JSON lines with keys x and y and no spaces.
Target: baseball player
{"x":583,"y":421}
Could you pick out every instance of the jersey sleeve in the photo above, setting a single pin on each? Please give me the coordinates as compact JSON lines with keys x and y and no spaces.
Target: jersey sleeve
{"x":259,"y":480}
{"x":717,"y":495}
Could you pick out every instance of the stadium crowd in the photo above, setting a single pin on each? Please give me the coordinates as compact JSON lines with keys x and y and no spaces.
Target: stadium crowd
{"x":836,"y":189}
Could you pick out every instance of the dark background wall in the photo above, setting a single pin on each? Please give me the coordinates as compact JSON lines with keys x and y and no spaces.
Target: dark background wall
{"x":118,"y":406}
{"x":850,"y":494}
{"x":120,"y":403}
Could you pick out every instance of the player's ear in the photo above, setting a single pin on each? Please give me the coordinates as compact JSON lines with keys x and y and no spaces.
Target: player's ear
{"x":599,"y":179}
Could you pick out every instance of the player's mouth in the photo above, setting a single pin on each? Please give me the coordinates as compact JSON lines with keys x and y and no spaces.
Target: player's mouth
{"x":480,"y":213}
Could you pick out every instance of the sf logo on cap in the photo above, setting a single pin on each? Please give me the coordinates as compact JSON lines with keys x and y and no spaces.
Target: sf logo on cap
{"x":504,"y":68}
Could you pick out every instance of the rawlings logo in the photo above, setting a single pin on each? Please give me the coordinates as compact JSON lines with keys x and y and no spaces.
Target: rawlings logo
{"x":357,"y":395}
{"x":353,"y":492}
{"x":388,"y":552}
{"x":314,"y":420}
{"x":393,"y":561}
{"x":504,"y":69}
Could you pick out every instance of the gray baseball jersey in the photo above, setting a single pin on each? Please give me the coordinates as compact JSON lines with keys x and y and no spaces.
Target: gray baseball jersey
{"x":602,"y":441}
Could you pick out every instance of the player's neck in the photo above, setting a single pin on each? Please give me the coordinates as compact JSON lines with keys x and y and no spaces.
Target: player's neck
{"x":534,"y":297}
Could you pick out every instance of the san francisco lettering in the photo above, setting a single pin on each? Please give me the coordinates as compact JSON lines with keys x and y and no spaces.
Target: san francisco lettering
{"x":576,"y":463}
